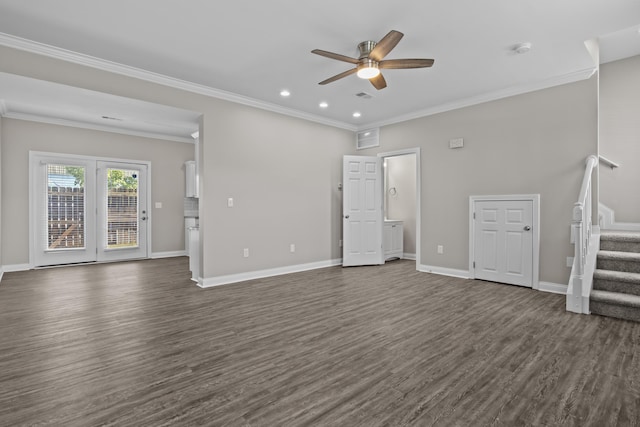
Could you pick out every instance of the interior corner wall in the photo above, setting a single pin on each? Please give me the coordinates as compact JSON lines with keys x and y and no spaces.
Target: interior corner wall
{"x":620,"y":137}
{"x":167,"y":178}
{"x":534,"y":143}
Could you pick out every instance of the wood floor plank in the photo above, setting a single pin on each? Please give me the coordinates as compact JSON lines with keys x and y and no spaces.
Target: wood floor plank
{"x":137,"y":344}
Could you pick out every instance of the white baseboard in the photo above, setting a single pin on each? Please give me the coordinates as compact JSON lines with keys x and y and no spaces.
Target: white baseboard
{"x":241,"y":277}
{"x":411,"y":257}
{"x":443,"y":271}
{"x":15,"y":267}
{"x":554,"y":288}
{"x":170,"y":254}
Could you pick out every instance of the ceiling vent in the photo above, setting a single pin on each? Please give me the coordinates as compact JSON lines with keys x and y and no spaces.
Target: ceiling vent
{"x":364,"y":95}
{"x":367,"y":138}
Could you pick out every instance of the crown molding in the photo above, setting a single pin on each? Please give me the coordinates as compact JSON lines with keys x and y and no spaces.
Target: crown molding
{"x":137,"y":73}
{"x":91,"y":126}
{"x":487,"y":97}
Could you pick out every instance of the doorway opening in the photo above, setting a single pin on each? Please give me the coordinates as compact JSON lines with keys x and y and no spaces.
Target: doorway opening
{"x":401,"y":196}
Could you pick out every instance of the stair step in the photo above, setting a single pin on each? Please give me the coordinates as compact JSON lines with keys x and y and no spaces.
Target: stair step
{"x":618,"y":261}
{"x":622,"y":241}
{"x":615,"y":304}
{"x":617,"y":281}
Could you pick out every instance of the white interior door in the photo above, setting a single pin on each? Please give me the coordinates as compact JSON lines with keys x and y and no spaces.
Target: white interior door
{"x":122,"y":212}
{"x":362,"y":211}
{"x":503,"y":241}
{"x":86,"y":210}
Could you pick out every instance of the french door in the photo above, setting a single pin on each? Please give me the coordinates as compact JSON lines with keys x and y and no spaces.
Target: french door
{"x":85,"y":209}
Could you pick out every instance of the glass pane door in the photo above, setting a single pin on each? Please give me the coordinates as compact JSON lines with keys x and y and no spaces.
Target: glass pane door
{"x":64,"y":205}
{"x":122,"y":212}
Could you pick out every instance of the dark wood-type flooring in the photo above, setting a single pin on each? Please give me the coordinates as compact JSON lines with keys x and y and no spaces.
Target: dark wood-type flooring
{"x":138,"y":344}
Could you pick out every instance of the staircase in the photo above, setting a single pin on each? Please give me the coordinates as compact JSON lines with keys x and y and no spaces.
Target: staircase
{"x":616,"y":280}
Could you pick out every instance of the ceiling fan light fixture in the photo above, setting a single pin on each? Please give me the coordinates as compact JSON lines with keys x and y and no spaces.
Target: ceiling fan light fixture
{"x":368,"y":69}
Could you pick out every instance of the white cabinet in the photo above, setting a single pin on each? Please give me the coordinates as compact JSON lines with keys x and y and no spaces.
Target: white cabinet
{"x":392,"y":238}
{"x":191,"y":179}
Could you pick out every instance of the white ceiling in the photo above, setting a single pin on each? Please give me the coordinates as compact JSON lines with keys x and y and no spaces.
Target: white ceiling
{"x":254,"y":49}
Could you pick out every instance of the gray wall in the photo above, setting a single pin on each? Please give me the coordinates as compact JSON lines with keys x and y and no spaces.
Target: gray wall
{"x":620,"y":137}
{"x":167,"y":177}
{"x":401,"y":175}
{"x":1,"y":198}
{"x":535,"y":143}
{"x":283,"y":172}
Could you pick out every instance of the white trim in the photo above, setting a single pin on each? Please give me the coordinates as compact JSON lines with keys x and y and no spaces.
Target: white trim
{"x":1,"y":274}
{"x":15,"y":267}
{"x":535,"y":199}
{"x":487,"y":97}
{"x":607,"y":220}
{"x":168,"y":254}
{"x":137,"y":73}
{"x":259,"y":274}
{"x":3,"y":108}
{"x":554,"y":288}
{"x":91,"y":126}
{"x":409,"y":256}
{"x":404,"y":152}
{"x":443,"y":271}
{"x":125,"y":70}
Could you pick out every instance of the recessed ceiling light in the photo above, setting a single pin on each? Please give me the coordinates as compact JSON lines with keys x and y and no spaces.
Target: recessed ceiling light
{"x":522,"y":48}
{"x":284,"y":93}
{"x":357,"y":114}
{"x":323,"y":105}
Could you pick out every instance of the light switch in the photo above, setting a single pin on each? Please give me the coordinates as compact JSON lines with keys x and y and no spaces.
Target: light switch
{"x":230,"y":202}
{"x":158,"y":205}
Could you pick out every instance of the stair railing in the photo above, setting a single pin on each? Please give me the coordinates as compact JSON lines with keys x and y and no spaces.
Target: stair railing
{"x":585,"y":244}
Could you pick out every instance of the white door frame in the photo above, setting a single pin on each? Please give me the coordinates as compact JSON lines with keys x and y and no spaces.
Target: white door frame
{"x":403,"y":152}
{"x":33,"y":214}
{"x":535,"y":199}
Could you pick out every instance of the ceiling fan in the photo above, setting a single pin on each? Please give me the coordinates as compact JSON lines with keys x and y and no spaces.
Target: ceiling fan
{"x":370,"y":61}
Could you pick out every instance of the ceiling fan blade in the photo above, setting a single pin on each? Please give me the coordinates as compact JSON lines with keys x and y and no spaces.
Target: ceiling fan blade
{"x":391,"y":64}
{"x":378,"y":82}
{"x":339,"y":76}
{"x":335,"y":56}
{"x":385,"y":45}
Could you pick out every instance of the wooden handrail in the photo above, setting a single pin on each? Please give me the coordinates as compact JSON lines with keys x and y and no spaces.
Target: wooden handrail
{"x":609,"y":163}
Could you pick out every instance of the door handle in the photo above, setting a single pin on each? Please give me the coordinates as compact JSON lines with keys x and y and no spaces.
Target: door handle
{"x":527,"y":227}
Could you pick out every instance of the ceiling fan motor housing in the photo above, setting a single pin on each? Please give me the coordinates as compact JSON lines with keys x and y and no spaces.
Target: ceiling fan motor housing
{"x":365,"y":48}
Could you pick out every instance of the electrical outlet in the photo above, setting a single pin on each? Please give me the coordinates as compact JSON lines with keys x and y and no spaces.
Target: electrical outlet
{"x":246,"y":252}
{"x":158,"y":205}
{"x":440,"y":249}
{"x":292,"y":248}
{"x":230,"y":202}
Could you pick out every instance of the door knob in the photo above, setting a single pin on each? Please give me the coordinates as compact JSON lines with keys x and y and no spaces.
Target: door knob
{"x":527,"y":228}
{"x":346,"y":217}
{"x":143,"y":218}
